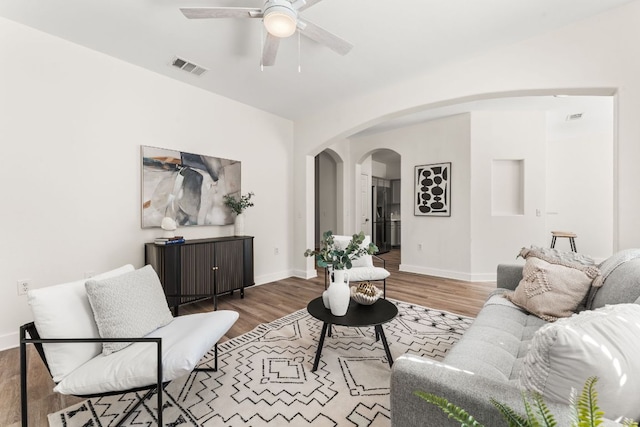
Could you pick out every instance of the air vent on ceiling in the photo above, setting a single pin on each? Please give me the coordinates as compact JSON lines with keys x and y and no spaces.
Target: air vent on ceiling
{"x":576,"y":116}
{"x":187,"y":66}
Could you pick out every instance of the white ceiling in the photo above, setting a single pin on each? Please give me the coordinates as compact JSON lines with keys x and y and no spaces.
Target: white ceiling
{"x":392,"y":41}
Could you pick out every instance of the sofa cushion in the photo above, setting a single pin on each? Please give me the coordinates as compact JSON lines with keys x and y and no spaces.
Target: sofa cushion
{"x":363,"y":274}
{"x":496,"y":341}
{"x":184,"y":341}
{"x":604,"y":343}
{"x":551,"y":288}
{"x":622,"y":285}
{"x":63,"y":311}
{"x":130,"y":305}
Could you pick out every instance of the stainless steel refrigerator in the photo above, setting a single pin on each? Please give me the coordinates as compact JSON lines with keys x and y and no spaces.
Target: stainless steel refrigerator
{"x":381,"y":221}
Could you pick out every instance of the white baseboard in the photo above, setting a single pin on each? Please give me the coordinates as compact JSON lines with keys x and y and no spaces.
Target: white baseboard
{"x":8,"y":341}
{"x":457,"y":275}
{"x":272,"y":277}
{"x":305,"y":274}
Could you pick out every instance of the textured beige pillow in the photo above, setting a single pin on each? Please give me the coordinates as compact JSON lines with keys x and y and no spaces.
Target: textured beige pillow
{"x":551,"y":288}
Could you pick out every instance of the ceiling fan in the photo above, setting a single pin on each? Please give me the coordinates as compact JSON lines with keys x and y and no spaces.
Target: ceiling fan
{"x":281,"y":19}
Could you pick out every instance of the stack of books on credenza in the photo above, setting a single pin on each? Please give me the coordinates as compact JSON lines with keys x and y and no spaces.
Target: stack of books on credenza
{"x":169,"y":240}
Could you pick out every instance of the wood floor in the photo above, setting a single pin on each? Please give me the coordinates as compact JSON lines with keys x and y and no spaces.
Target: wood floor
{"x":261,"y":304}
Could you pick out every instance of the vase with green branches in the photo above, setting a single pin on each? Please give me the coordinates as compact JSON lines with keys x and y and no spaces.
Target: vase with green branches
{"x":584,"y":410}
{"x":333,"y":256}
{"x":238,"y":206}
{"x":338,"y":258}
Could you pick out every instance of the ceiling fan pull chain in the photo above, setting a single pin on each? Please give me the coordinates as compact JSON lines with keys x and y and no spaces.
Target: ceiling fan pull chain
{"x":262,"y":47}
{"x":299,"y":55}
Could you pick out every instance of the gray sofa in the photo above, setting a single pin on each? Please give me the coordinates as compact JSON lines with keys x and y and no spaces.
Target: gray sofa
{"x":486,"y":362}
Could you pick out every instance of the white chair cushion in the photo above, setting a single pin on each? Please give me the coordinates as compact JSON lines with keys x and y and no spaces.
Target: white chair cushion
{"x":184,"y":342}
{"x":363,"y":261}
{"x":604,"y":343}
{"x":130,"y":305}
{"x":362,"y":274}
{"x":63,"y":311}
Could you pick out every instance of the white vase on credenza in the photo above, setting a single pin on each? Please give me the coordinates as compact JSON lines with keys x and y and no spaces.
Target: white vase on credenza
{"x":238,"y":225}
{"x":339,"y":293}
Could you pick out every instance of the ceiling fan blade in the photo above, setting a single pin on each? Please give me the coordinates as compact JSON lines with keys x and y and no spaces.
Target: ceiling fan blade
{"x":319,"y":34}
{"x":220,"y":12}
{"x":270,"y":50}
{"x":307,"y":4}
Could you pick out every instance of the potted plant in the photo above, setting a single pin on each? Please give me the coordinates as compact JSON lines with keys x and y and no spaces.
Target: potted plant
{"x":337,"y":259}
{"x":238,"y":206}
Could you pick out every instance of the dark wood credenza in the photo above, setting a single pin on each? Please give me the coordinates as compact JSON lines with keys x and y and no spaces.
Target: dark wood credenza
{"x":202,"y":268}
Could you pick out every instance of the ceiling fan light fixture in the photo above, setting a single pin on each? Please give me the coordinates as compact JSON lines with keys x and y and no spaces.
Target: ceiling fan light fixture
{"x":280,"y":19}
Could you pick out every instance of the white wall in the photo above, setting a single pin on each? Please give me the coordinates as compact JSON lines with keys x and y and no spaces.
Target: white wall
{"x":445,"y":241}
{"x":589,"y":57}
{"x":498,"y":238}
{"x":394,"y":171}
{"x":378,"y":169}
{"x":580,"y":180}
{"x":71,"y":124}
{"x":469,"y":244}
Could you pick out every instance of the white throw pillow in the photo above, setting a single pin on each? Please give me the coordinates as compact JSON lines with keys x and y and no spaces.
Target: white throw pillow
{"x":128,"y":306}
{"x":604,"y":343}
{"x":365,"y":260}
{"x":63,"y":311}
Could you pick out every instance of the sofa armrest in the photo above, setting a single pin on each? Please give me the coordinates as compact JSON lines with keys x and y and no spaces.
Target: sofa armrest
{"x":509,"y":275}
{"x":467,"y":390}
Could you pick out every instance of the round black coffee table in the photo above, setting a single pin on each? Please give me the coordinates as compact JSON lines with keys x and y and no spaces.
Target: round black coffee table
{"x":358,"y":315}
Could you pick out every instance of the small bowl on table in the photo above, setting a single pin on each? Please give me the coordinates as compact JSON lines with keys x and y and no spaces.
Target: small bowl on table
{"x":365,"y":293}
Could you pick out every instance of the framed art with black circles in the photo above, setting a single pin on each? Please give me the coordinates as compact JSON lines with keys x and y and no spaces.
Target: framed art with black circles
{"x":433,"y":190}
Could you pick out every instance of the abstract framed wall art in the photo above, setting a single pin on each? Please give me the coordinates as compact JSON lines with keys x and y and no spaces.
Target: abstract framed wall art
{"x":187,"y":187}
{"x":433,"y":190}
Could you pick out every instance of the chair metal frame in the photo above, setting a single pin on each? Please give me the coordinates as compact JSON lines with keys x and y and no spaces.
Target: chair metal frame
{"x":35,"y":339}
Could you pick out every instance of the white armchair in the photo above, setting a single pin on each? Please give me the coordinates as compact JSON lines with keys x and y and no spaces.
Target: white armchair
{"x":363,"y":268}
{"x":90,"y":338}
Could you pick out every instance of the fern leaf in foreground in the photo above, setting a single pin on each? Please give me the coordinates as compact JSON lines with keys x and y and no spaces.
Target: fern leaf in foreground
{"x":512,"y":417}
{"x":543,"y":410}
{"x":589,"y":413}
{"x":452,"y":411}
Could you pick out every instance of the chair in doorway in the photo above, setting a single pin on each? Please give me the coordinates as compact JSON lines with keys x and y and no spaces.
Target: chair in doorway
{"x":84,"y":330}
{"x":363,"y":268}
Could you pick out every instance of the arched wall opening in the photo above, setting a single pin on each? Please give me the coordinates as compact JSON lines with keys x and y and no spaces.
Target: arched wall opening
{"x":359,"y":144}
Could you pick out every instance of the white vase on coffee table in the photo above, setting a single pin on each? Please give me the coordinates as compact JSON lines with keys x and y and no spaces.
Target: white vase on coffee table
{"x":339,"y":293}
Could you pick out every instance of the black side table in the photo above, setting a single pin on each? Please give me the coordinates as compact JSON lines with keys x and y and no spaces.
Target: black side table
{"x":382,"y":311}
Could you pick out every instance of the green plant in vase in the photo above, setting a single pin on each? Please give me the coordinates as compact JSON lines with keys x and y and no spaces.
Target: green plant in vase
{"x":330,"y":255}
{"x":238,"y":206}
{"x":338,"y":258}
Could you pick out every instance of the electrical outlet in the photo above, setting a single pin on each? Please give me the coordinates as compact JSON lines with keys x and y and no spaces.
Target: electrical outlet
{"x":23,"y":286}
{"x":276,"y":251}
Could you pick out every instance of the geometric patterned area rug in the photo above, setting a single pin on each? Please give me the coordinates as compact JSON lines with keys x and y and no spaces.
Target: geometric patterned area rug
{"x":264,"y":377}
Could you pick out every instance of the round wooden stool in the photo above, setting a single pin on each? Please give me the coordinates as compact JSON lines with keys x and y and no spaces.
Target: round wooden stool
{"x":569,"y":235}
